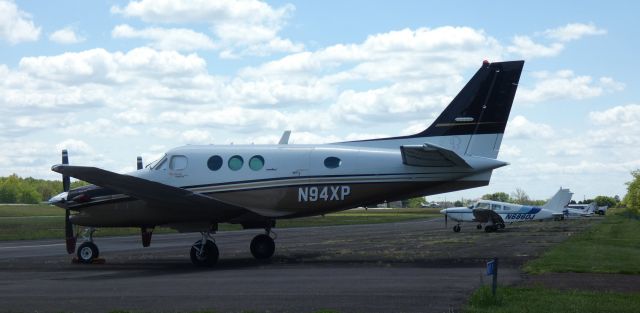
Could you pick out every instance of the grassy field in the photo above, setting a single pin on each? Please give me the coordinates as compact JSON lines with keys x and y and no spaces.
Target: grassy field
{"x":542,"y":300}
{"x":613,"y":246}
{"x":609,"y":247}
{"x":24,"y":222}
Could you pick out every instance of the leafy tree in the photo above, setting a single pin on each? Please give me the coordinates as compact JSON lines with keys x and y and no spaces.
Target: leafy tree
{"x":458,"y":203}
{"x":415,"y":202}
{"x":497,"y":196}
{"x":14,"y":189}
{"x":632,"y":199}
{"x":606,"y":201}
{"x":520,"y":197}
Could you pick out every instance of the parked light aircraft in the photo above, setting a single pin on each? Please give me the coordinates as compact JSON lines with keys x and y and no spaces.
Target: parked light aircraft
{"x":494,"y":214}
{"x":580,"y":210}
{"x":194,"y":188}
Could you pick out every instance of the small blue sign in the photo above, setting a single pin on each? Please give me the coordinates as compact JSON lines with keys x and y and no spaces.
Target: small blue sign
{"x":491,"y":267}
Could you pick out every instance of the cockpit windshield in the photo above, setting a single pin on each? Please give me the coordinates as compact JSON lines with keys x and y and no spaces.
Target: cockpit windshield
{"x":483,"y":205}
{"x":154,"y":164}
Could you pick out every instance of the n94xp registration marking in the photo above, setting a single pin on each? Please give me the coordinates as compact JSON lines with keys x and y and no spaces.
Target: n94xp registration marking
{"x":323,"y":193}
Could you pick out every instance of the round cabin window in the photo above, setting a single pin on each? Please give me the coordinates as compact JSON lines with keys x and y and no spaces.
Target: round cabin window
{"x":256,"y":162}
{"x":236,"y":162}
{"x":214,"y":163}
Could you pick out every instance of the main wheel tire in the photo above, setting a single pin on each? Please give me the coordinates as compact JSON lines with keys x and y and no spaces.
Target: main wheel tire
{"x":456,"y":228}
{"x":87,"y":252}
{"x":479,"y":226}
{"x":262,"y":247}
{"x":490,"y":228}
{"x":501,"y":226}
{"x":207,"y":257}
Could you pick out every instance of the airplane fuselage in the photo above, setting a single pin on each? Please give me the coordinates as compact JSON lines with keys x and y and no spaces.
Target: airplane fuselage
{"x":277,"y":181}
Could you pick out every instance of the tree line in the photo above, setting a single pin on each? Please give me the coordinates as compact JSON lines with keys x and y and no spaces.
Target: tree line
{"x":15,"y":189}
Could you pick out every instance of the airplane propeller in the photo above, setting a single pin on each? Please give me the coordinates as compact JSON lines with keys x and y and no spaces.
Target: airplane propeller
{"x":139,"y":163}
{"x":68,"y":227}
{"x":446,"y":218}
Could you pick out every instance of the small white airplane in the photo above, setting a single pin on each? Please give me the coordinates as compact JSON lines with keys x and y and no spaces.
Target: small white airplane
{"x":494,"y":214}
{"x":194,"y":188}
{"x":580,"y":210}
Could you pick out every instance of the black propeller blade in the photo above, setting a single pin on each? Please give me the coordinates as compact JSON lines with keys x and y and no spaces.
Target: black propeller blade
{"x":139,"y":162}
{"x":446,"y":217}
{"x":70,"y":238}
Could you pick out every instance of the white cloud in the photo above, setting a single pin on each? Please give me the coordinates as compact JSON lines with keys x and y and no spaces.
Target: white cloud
{"x":525,"y":47}
{"x":566,"y":85}
{"x":16,"y":26}
{"x":573,"y":31}
{"x":521,"y":128}
{"x":197,"y":136}
{"x":178,"y":39}
{"x":623,"y":114}
{"x":75,"y":147}
{"x":247,"y":27}
{"x":66,"y":35}
{"x":103,"y":67}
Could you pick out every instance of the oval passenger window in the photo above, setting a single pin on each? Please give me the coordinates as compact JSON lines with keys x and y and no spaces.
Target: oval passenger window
{"x":236,"y":162}
{"x":256,"y":162}
{"x":332,"y":162}
{"x":214,"y":163}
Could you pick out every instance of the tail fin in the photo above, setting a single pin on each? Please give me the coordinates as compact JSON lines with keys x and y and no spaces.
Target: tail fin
{"x":558,"y":201}
{"x":482,"y":107}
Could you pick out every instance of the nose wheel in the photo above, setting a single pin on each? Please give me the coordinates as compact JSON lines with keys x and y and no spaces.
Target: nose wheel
{"x":456,"y":228}
{"x":87,"y":252}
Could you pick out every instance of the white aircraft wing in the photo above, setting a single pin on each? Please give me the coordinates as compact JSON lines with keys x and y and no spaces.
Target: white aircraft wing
{"x":431,"y":155}
{"x":160,"y":195}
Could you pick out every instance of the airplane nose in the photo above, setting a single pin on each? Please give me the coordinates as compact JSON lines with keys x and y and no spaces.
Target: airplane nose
{"x":443,"y":211}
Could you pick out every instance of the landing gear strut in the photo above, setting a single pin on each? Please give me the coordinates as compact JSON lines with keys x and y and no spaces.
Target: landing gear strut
{"x":88,"y":251}
{"x":262,"y":246}
{"x":204,"y":252}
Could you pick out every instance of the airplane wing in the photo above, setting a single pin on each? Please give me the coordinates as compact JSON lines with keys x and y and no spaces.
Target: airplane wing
{"x":157,"y":194}
{"x":485,"y":216}
{"x":431,"y":155}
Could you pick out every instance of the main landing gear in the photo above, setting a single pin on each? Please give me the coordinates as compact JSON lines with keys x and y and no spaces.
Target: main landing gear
{"x":204,"y":252}
{"x":263,"y":246}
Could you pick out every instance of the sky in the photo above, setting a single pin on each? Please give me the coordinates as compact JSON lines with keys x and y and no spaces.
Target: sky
{"x":113,"y":80}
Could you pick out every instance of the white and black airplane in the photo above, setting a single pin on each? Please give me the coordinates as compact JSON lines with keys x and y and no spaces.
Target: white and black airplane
{"x":495,"y":214}
{"x":194,"y":188}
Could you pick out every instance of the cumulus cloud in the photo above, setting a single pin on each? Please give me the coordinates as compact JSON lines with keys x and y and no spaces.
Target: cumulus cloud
{"x":573,"y":31}
{"x":521,"y":128}
{"x":622,"y":114}
{"x":248,"y":27}
{"x":66,"y":35}
{"x":565,"y":84}
{"x":16,"y":26}
{"x":104,"y":67}
{"x":524,"y":46}
{"x":178,"y":39}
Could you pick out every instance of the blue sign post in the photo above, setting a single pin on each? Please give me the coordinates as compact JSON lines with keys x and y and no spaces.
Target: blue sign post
{"x":492,"y":269}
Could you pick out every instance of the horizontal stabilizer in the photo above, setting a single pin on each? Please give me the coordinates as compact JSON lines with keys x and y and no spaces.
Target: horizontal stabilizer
{"x":430,"y":155}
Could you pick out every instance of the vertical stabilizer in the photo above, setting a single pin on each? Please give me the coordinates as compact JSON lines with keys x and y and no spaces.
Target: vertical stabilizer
{"x":558,"y":201}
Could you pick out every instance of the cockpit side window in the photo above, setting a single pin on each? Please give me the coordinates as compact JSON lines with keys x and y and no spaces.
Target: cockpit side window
{"x":178,"y":162}
{"x":482,"y":205}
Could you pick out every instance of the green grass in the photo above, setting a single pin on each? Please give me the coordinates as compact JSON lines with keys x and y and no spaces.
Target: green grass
{"x":26,"y":222}
{"x":612,"y":246}
{"x":541,"y":300}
